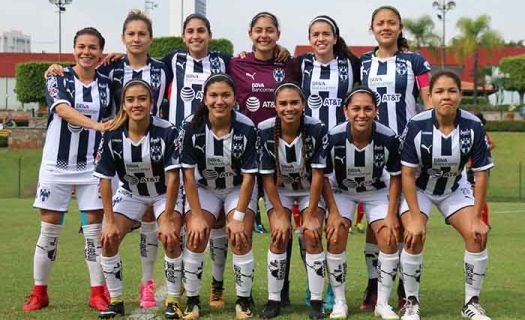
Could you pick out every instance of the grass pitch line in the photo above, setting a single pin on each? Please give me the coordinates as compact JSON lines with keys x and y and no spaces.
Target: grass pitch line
{"x":151,"y":313}
{"x":506,"y":211}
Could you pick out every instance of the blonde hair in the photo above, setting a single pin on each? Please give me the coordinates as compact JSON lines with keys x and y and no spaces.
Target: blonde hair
{"x":122,"y":117}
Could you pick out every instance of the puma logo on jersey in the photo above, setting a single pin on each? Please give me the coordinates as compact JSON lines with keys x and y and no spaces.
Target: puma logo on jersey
{"x":181,"y":64}
{"x":426,"y":147}
{"x":251,"y":75}
{"x":308,"y":72}
{"x":201,"y":148}
{"x":342,"y":159}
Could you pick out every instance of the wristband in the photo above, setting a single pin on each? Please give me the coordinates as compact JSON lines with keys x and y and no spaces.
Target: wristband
{"x":238,"y":215}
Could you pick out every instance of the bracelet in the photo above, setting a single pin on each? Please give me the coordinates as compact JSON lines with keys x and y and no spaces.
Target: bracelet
{"x":238,"y":215}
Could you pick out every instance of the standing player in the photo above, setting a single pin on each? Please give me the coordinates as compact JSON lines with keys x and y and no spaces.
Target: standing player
{"x":397,"y":76}
{"x":436,"y":145}
{"x":219,"y":158}
{"x":361,"y":149}
{"x":78,"y":103}
{"x":293,"y":158}
{"x":140,"y":148}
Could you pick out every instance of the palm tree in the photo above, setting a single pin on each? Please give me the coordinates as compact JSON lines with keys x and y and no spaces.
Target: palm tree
{"x":475,"y":34}
{"x":422,"y":29}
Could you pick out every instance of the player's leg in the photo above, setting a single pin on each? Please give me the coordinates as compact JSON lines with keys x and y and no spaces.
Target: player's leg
{"x":149,"y":246}
{"x":218,"y":251}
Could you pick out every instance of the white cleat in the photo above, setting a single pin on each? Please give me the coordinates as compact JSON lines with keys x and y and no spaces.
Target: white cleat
{"x":411,"y":309}
{"x":473,"y":310}
{"x":385,"y":312}
{"x":340,"y":310}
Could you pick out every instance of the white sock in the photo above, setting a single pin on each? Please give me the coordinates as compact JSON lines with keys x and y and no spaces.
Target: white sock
{"x":371,"y":253}
{"x":173,"y":272}
{"x":192,"y":263}
{"x":92,"y":253}
{"x":475,"y":270}
{"x":336,"y":263}
{"x":316,"y":269}
{"x":276,"y":274}
{"x":45,"y":252}
{"x":243,"y":268}
{"x":387,"y":270}
{"x":112,"y":267}
{"x":411,"y":268}
{"x":218,"y":251}
{"x":149,"y":246}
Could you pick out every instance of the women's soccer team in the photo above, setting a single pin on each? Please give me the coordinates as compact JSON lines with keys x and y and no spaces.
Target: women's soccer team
{"x":315,"y":136}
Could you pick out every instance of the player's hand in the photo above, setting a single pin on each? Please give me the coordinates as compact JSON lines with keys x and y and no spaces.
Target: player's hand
{"x":281,"y":54}
{"x":281,"y":228}
{"x":168,"y":234}
{"x":392,"y":228}
{"x":334,"y":223}
{"x":55,"y":70}
{"x":312,"y":225}
{"x":111,"y":57}
{"x":243,"y":54}
{"x":197,"y":232}
{"x":110,"y":236}
{"x":415,"y":231}
{"x":237,"y":234}
{"x":480,"y":231}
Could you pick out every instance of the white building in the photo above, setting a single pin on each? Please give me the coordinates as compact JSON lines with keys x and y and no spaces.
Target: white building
{"x":15,"y":41}
{"x":180,"y":9}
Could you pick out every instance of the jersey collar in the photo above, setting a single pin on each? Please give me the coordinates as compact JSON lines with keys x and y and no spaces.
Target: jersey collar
{"x":349,"y":132}
{"x":436,"y":123}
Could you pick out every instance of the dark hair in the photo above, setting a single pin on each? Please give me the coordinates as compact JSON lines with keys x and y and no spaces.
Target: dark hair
{"x":92,"y":32}
{"x":289,"y":85}
{"x":360,"y":89}
{"x":122,"y":116}
{"x":202,"y":110}
{"x":402,"y":42}
{"x":135,"y":15}
{"x":196,"y":16}
{"x":448,"y":74}
{"x":264,"y":14}
{"x":340,"y":47}
{"x":481,"y":117}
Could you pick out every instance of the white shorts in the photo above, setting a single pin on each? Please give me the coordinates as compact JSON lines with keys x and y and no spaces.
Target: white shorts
{"x":56,"y":197}
{"x":213,"y":202}
{"x":375,"y":204}
{"x":134,"y":206}
{"x":447,"y":204}
{"x":288,"y":198}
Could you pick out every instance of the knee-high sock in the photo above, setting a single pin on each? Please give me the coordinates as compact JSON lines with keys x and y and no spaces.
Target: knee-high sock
{"x":387,"y":270}
{"x":192,"y":265}
{"x":92,"y":253}
{"x":276,"y":274}
{"x":112,"y":267}
{"x":411,"y":268}
{"x":173,"y":272}
{"x":336,"y":264}
{"x":218,"y":251}
{"x":243,"y":268}
{"x":316,"y":269}
{"x":45,"y":252}
{"x":475,"y":270}
{"x":149,"y":246}
{"x":371,"y":253}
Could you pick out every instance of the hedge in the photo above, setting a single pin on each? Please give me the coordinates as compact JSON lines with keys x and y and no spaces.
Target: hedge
{"x":30,"y":82}
{"x":509,"y":126}
{"x":164,"y":45}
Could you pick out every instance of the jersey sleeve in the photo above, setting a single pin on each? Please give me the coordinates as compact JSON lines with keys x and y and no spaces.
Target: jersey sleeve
{"x":56,"y":92}
{"x":393,"y":163}
{"x":420,"y":65}
{"x":249,"y":157}
{"x":319,"y":155}
{"x":481,"y":157}
{"x":355,"y":64}
{"x":329,"y":161}
{"x":172,"y":154}
{"x":186,"y":148}
{"x":226,"y":57}
{"x":105,"y":166}
{"x":407,"y":146}
{"x":267,"y":155}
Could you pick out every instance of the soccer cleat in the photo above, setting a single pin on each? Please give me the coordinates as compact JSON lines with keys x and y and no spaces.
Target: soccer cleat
{"x":192,"y":310}
{"x":173,"y":311}
{"x":411,"y":309}
{"x":384,"y":311}
{"x":244,"y":308}
{"x":112,"y":311}
{"x":339,"y":310}
{"x":329,"y":299}
{"x":147,"y":295}
{"x":360,"y":227}
{"x":307,"y":297}
{"x":216,"y":300}
{"x":107,"y":296}
{"x":316,"y":309}
{"x":400,"y":295}
{"x":97,"y":300}
{"x":37,"y":300}
{"x":259,"y":228}
{"x":271,"y":310}
{"x":370,"y":299}
{"x":473,"y":310}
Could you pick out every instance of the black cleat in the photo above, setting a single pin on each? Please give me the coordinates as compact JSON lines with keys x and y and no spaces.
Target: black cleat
{"x":316,"y":310}
{"x":271,"y":310}
{"x":112,"y":311}
{"x":173,"y":311}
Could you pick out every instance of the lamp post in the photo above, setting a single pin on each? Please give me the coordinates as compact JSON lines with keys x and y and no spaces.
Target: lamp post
{"x":443,"y":7}
{"x":61,"y":5}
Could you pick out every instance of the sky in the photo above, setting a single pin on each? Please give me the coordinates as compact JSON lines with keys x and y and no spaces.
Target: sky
{"x":230,"y":19}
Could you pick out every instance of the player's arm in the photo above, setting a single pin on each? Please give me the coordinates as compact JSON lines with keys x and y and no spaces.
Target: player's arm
{"x":74,"y":117}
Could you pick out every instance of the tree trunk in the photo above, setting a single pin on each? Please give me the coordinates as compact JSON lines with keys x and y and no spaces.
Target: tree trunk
{"x":521,"y":93}
{"x":475,"y":92}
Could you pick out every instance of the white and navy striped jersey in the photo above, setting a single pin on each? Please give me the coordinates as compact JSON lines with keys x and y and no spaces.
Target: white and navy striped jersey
{"x":440,"y":158}
{"x":155,"y":72}
{"x":69,"y":150}
{"x":220,"y":162}
{"x":185,"y":91}
{"x":140,"y":166}
{"x":295,"y":166}
{"x":394,"y":82}
{"x":359,"y":170}
{"x":325,"y":87}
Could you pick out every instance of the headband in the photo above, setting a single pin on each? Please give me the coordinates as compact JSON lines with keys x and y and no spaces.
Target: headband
{"x":289,"y":84}
{"x":362,"y":90}
{"x":218,"y":75}
{"x":326,"y":19}
{"x":137,"y":81}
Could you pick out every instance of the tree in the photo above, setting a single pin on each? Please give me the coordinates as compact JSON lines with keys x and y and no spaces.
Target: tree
{"x":475,"y":34}
{"x":422,"y":29}
{"x":514,"y":70}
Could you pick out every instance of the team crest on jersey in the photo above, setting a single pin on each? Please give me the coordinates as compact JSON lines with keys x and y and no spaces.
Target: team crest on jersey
{"x":237,"y":145}
{"x":278,"y":74}
{"x":343,"y":72}
{"x":465,"y":141}
{"x":44,"y":194}
{"x":155,"y":78}
{"x":379,"y":159}
{"x":401,"y":68}
{"x":156,"y":149}
{"x":103,"y":93}
{"x":309,"y":147}
{"x":215,"y":65}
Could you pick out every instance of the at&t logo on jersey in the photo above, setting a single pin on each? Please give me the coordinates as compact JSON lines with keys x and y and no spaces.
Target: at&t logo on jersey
{"x":210,"y":174}
{"x":278,"y":74}
{"x":253,"y":104}
{"x":316,"y":101}
{"x":388,"y":97}
{"x":187,"y":94}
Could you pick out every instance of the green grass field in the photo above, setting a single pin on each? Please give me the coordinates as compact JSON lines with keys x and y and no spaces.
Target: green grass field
{"x":441,"y":289}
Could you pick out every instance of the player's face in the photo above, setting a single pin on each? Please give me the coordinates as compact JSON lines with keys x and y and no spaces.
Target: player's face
{"x":445,"y":97}
{"x":220,"y":100}
{"x":322,"y":38}
{"x":264,"y":35}
{"x":136,"y":37}
{"x":361,"y":112}
{"x":137,"y":103}
{"x":196,"y":37}
{"x":87,"y":51}
{"x":386,"y":27}
{"x":289,"y":106}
